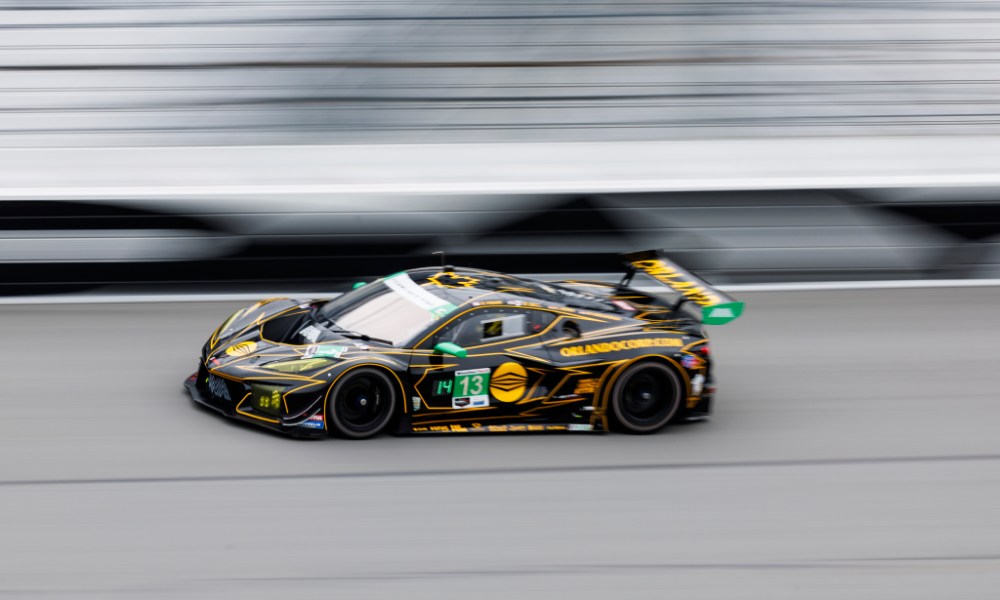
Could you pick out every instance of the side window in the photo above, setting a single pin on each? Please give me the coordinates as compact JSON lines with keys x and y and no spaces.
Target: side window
{"x":538,"y":320}
{"x":503,"y":327}
{"x":495,"y":326}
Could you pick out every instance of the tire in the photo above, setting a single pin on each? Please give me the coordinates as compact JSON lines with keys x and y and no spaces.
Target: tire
{"x":362,"y":403}
{"x":646,"y":396}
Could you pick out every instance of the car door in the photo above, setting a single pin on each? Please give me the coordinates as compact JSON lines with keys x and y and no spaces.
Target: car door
{"x":504,"y":368}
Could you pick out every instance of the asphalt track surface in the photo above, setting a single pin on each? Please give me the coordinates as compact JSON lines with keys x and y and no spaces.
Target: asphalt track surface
{"x":854,"y":454}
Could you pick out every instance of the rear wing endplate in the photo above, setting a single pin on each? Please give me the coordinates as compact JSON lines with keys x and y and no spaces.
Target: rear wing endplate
{"x":717,"y":307}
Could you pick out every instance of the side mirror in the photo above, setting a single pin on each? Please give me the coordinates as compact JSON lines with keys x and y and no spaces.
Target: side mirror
{"x":452,"y":349}
{"x":571,"y":329}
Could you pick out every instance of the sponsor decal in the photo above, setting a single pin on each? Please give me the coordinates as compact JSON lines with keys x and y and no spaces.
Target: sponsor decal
{"x":324,"y":351}
{"x":509,"y":382}
{"x":480,"y":428}
{"x":408,"y":289}
{"x":678,"y":281}
{"x":241,"y":349}
{"x":313,"y":422}
{"x":689,"y":361}
{"x":620,"y":345}
{"x":217,"y":387}
{"x":452,"y":280}
{"x":416,"y":403}
{"x":470,"y":389}
{"x":586,"y":386}
{"x":470,"y":402}
{"x":697,"y":384}
{"x":311,"y":333}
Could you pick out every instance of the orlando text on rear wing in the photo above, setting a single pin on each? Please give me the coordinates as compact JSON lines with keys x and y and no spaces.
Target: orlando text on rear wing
{"x":717,"y":307}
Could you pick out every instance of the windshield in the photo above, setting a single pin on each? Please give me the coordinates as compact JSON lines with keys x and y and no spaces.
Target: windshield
{"x":395,"y":309}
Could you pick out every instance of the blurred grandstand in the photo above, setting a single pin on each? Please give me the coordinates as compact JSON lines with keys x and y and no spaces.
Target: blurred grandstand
{"x":289,"y":72}
{"x":901,"y":91}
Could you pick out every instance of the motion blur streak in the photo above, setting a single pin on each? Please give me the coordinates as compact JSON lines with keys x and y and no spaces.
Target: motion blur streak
{"x":301,"y":144}
{"x":853,"y":450}
{"x":239,"y":72}
{"x":298,"y":144}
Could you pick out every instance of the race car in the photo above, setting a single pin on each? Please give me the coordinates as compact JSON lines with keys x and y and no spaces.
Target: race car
{"x":457,"y":350}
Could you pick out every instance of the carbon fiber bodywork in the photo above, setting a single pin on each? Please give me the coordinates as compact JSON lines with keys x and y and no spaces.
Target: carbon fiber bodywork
{"x":519,"y":355}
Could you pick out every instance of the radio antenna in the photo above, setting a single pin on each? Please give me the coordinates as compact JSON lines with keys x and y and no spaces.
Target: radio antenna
{"x":441,"y":252}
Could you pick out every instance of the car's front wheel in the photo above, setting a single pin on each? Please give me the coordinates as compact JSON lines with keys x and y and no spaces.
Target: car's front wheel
{"x":362,"y":403}
{"x":646,"y":396}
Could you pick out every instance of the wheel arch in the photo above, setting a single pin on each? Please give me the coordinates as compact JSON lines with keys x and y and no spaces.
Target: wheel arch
{"x":401,"y":388}
{"x":611,"y":377}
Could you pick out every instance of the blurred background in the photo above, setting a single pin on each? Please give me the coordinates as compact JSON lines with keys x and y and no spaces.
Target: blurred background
{"x":298,"y":145}
{"x":215,"y":151}
{"x":253,"y":72}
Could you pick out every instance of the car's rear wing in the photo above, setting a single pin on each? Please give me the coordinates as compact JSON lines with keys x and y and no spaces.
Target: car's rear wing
{"x":717,"y":307}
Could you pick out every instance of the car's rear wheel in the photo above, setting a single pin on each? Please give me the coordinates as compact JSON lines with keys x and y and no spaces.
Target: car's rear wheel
{"x":362,"y":403}
{"x":646,"y":396}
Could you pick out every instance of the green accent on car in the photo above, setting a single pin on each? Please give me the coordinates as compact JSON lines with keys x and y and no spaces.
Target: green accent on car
{"x":443,"y":310}
{"x":452,"y":349}
{"x":720,"y":314}
{"x":358,"y":284}
{"x":299,"y":365}
{"x":329,"y":351}
{"x":444,"y":387}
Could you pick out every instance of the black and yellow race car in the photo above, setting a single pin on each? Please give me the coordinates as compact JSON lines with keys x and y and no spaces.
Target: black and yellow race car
{"x":456,"y":350}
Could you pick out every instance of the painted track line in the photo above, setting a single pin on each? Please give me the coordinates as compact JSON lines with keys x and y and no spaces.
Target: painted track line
{"x":815,"y":462}
{"x":224,"y":192}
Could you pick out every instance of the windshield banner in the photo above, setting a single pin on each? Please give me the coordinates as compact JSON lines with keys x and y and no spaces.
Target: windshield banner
{"x":408,"y":289}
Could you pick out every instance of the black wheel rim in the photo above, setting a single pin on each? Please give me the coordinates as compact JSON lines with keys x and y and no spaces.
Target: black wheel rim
{"x":646,"y":398}
{"x":362,"y":403}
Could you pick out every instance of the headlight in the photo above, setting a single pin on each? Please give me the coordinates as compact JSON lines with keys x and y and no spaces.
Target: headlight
{"x":266,"y":398}
{"x":298,"y":365}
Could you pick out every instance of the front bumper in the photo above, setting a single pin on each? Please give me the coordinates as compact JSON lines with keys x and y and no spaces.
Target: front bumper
{"x":200,"y":393}
{"x":203,"y":397}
